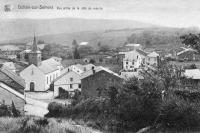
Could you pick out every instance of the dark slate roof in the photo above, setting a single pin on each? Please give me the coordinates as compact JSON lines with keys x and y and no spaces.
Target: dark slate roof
{"x":11,"y":79}
{"x":141,"y":52}
{"x":98,"y":69}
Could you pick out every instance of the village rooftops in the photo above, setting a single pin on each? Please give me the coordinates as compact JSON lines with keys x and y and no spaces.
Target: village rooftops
{"x":141,"y":52}
{"x":83,"y":43}
{"x":192,"y":73}
{"x":57,"y":58}
{"x":11,"y":79}
{"x":80,"y":67}
{"x":98,"y":69}
{"x":66,"y":72}
{"x":186,"y":50}
{"x":84,"y":67}
{"x":9,"y":65}
{"x":133,"y":45}
{"x":48,"y":66}
{"x":153,"y":54}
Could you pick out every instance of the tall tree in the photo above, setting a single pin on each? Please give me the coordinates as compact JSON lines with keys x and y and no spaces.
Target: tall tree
{"x":99,"y":44}
{"x":76,"y":53}
{"x":74,"y":43}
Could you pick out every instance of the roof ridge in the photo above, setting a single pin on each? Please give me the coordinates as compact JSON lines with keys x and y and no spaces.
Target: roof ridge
{"x":12,"y":75}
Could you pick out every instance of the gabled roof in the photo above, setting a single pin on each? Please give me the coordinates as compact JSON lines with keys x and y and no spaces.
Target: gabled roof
{"x":141,"y":52}
{"x":65,"y":74}
{"x":83,"y":43}
{"x":98,"y":69}
{"x":56,"y":58}
{"x":186,"y":50}
{"x":48,"y":66}
{"x":9,"y":65}
{"x":192,"y":73}
{"x":153,"y":54}
{"x":11,"y":79}
{"x":84,"y":67}
{"x":133,"y":45}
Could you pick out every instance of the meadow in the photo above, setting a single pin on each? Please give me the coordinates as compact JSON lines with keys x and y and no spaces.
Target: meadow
{"x":30,"y":124}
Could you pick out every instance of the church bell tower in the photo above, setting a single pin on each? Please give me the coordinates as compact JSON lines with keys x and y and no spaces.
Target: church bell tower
{"x":35,"y":54}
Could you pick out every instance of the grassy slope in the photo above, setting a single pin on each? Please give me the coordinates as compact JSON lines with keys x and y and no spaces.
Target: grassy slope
{"x":35,"y":124}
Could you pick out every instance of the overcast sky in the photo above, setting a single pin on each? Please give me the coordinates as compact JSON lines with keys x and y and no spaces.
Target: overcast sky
{"x":176,"y":13}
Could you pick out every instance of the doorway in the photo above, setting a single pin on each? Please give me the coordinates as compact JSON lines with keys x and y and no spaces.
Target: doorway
{"x":32,"y":86}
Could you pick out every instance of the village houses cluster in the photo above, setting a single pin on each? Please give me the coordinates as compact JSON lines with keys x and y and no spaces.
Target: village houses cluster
{"x":47,"y":79}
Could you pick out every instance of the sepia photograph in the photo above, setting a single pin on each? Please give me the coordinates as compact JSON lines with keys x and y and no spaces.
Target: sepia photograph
{"x":99,"y":66}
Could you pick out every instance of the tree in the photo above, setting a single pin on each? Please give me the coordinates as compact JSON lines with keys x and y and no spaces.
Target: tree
{"x":76,"y":53}
{"x":15,"y":112}
{"x":40,"y":42}
{"x":74,"y":43}
{"x":85,"y":49}
{"x":191,"y":40}
{"x":104,"y":48}
{"x":99,"y":44}
{"x":112,"y":94}
{"x":92,"y":61}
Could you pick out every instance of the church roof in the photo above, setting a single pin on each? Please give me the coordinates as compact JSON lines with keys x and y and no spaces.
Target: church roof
{"x":48,"y":66}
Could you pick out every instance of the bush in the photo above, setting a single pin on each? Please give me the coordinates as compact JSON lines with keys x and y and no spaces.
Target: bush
{"x":137,"y":104}
{"x":5,"y":110}
{"x":180,"y":114}
{"x":55,"y":109}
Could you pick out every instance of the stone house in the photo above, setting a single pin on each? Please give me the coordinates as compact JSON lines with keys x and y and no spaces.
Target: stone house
{"x":10,"y":65}
{"x":95,"y":82}
{"x":69,"y":81}
{"x":133,"y":59}
{"x":152,"y":59}
{"x":191,"y":79}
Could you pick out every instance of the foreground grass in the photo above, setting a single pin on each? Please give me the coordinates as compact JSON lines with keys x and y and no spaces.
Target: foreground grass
{"x":41,"y":125}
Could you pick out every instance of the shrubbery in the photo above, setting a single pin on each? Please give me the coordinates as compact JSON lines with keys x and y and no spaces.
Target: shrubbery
{"x":180,"y":114}
{"x":138,"y":104}
{"x":30,"y":124}
{"x":6,"y":110}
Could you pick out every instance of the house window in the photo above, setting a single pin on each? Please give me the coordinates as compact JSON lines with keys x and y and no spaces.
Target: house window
{"x":127,"y":62}
{"x":79,"y":85}
{"x":71,"y":79}
{"x":71,"y":86}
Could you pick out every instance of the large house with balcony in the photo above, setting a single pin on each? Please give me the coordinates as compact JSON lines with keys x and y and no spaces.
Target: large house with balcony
{"x":133,"y":59}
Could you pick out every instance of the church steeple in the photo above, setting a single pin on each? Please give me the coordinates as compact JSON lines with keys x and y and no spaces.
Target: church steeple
{"x":34,"y":44}
{"x":35,"y":54}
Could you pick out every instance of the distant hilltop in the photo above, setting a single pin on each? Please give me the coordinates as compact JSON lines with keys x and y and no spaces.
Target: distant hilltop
{"x":13,"y":29}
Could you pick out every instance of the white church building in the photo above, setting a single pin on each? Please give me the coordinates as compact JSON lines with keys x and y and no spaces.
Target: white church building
{"x":39,"y":74}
